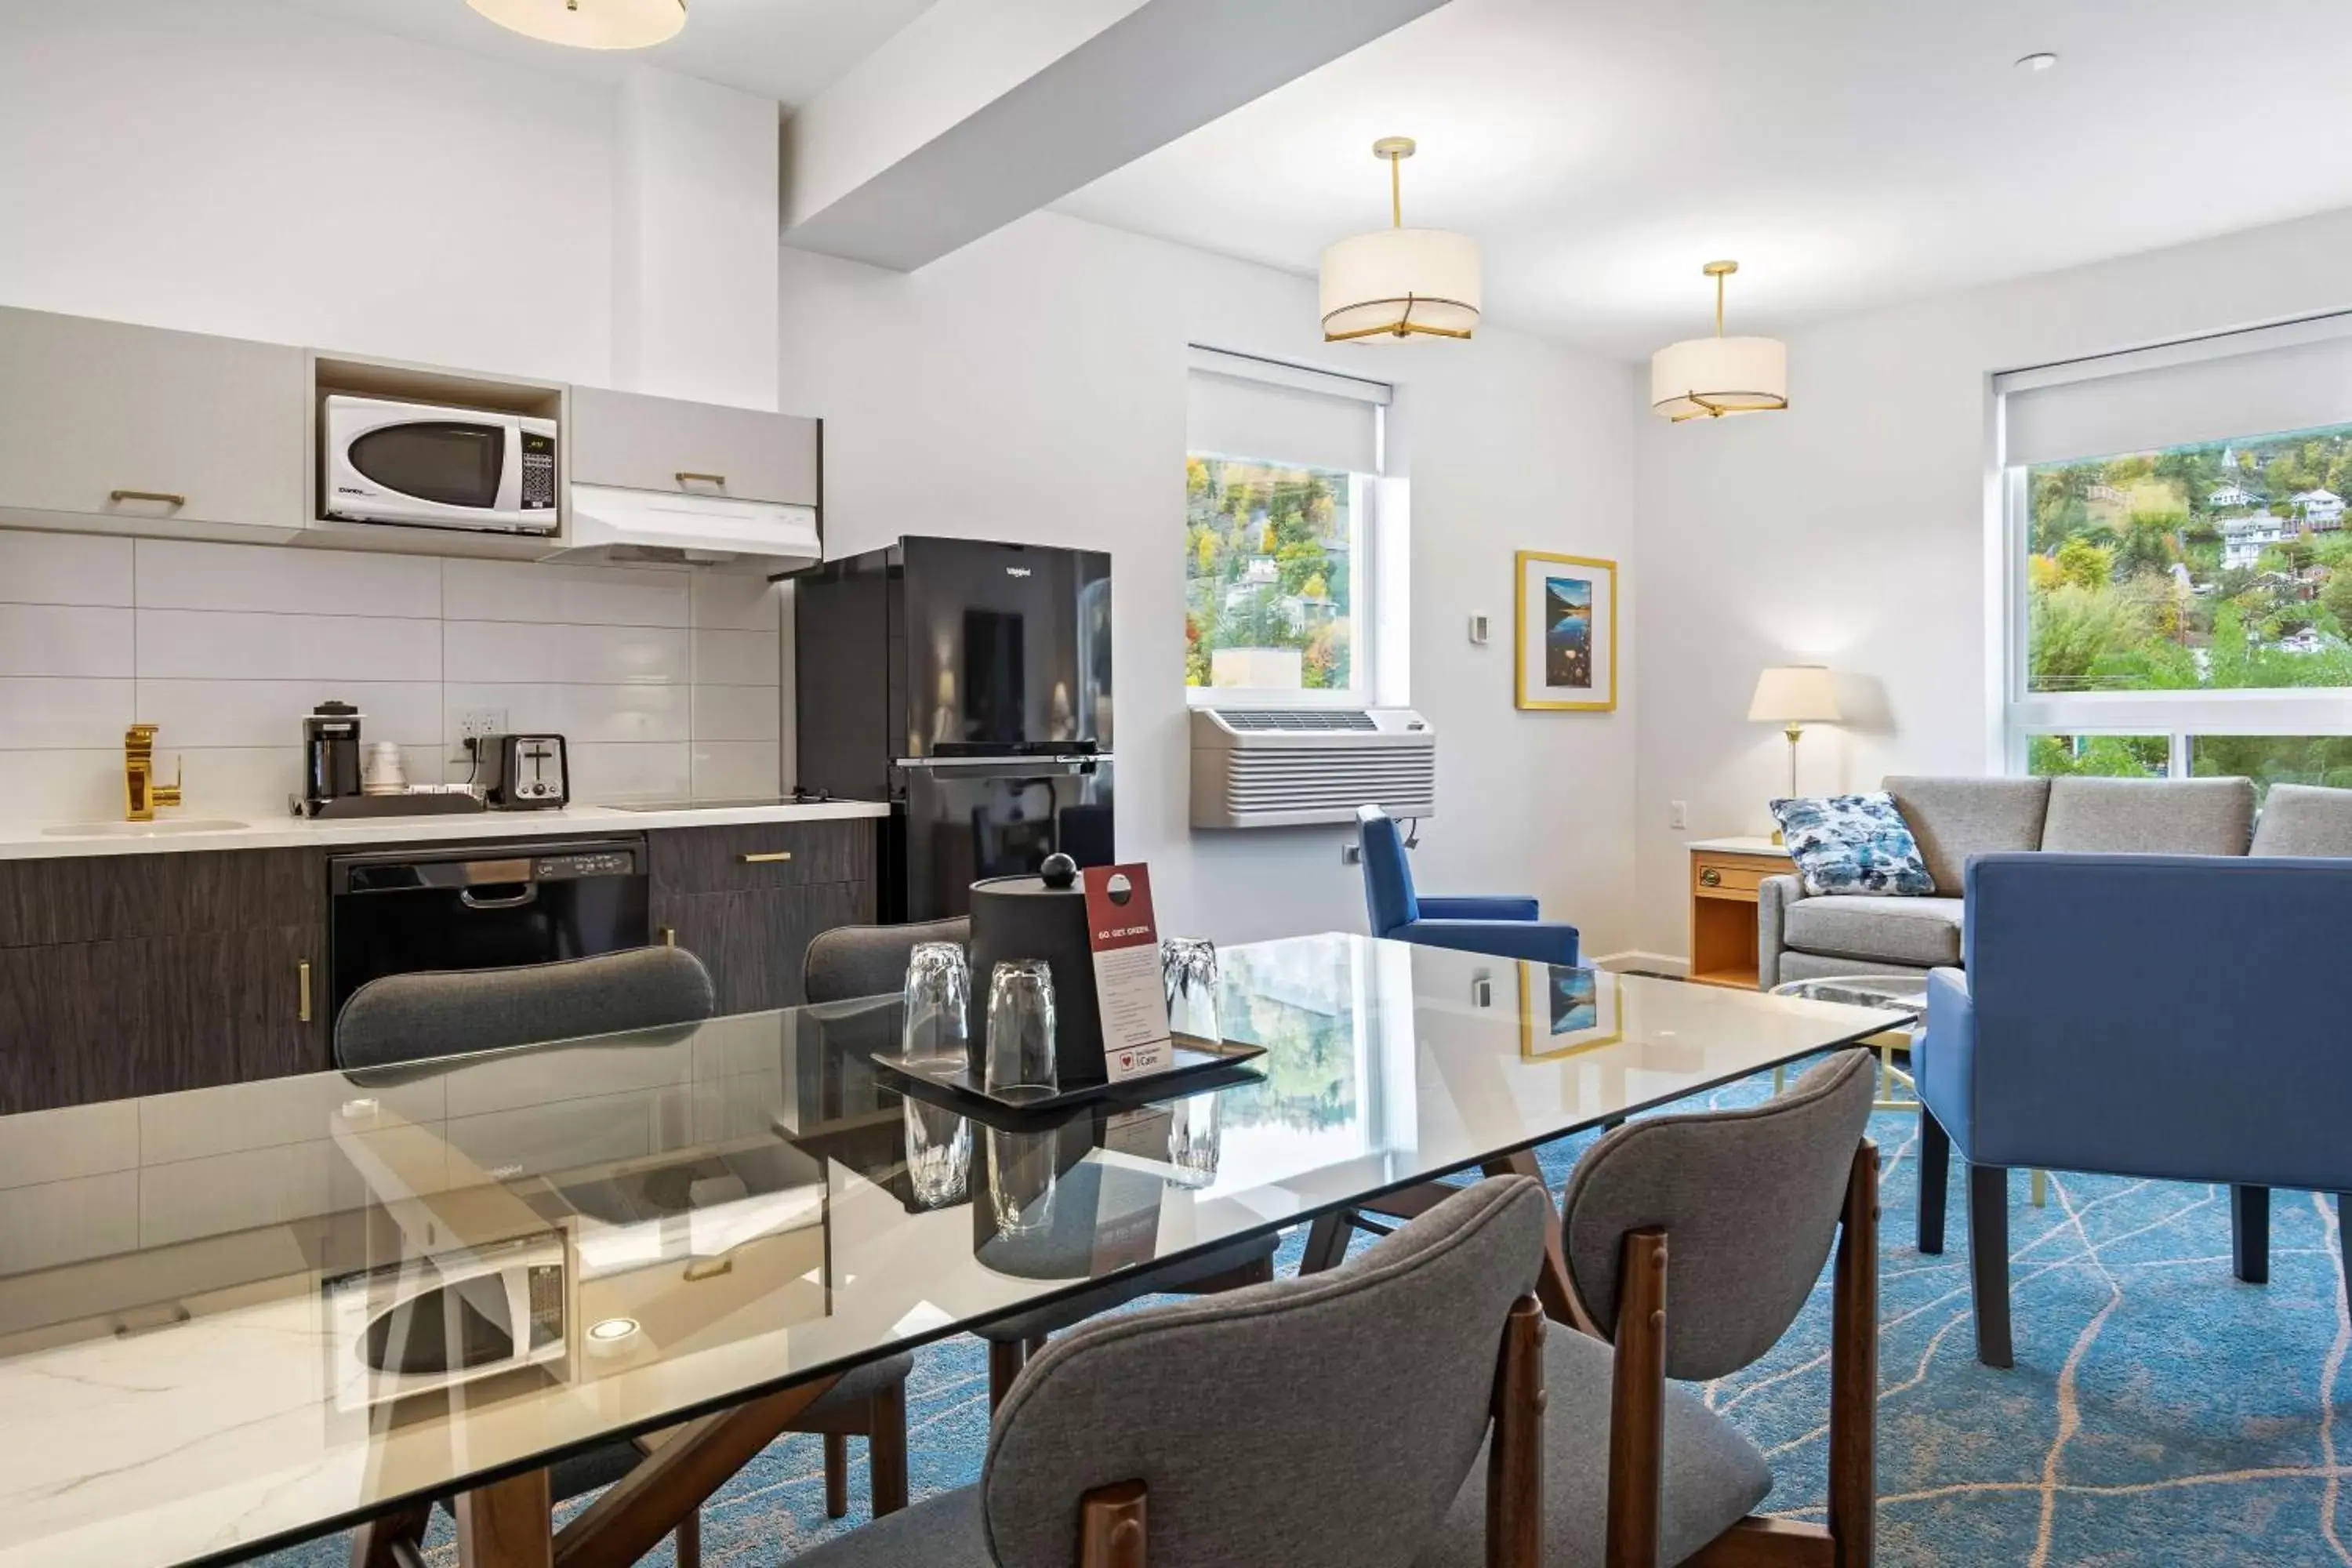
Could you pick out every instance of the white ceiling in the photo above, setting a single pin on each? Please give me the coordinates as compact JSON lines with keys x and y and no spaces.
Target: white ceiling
{"x":789,"y":50}
{"x":1848,"y":153}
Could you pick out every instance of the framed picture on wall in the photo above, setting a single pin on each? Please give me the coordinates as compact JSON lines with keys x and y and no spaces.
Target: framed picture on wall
{"x":1568,"y":632}
{"x":1563,"y":1011}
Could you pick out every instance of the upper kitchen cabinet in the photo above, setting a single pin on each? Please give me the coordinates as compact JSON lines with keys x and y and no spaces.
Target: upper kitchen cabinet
{"x":631,"y":441}
{"x":140,"y":431}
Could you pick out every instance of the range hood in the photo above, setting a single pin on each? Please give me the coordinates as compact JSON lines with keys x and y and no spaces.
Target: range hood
{"x":627,"y":527}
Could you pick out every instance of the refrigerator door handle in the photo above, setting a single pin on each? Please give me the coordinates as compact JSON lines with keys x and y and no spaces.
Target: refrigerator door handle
{"x":944,"y":764}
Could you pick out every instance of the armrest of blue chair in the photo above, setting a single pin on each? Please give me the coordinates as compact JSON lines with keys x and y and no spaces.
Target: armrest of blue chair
{"x":1538,"y":942}
{"x":1508,"y":908}
{"x":1944,"y":1060}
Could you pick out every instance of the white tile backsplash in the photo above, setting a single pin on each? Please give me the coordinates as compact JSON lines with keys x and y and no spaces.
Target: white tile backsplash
{"x":64,"y":568}
{"x":667,"y":681}
{"x":64,"y":639}
{"x":185,"y":574}
{"x":577,"y":595}
{"x":46,"y":712}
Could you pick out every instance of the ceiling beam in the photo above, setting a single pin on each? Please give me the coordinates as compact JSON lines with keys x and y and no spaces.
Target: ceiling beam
{"x":970,"y":120}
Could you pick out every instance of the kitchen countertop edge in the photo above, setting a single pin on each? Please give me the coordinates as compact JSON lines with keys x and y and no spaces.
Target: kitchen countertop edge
{"x":29,"y":842}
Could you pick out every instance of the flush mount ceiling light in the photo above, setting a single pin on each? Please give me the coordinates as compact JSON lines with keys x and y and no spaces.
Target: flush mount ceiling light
{"x":1719,"y":375}
{"x":589,"y":24}
{"x":1399,"y":282}
{"x":2040,"y":61}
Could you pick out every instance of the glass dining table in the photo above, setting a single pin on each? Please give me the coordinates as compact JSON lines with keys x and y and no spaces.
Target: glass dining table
{"x":239,"y":1318}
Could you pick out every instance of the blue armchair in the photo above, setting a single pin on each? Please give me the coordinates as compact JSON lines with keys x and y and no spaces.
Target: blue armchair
{"x":2170,"y":1017}
{"x":1506,"y":927}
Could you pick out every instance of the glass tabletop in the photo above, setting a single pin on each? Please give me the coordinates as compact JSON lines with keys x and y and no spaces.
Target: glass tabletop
{"x":1906,"y":993}
{"x":240,"y":1316}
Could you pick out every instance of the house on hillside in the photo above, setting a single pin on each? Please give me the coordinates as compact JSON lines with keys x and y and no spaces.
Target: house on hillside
{"x":2231,"y":496}
{"x":2322,"y":510}
{"x":2244,"y":539}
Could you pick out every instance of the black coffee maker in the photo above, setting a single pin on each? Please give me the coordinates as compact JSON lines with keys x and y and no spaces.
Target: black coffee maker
{"x":331,"y":751}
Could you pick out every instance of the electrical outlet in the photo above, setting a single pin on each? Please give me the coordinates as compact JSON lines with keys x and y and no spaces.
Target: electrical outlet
{"x":1678,"y":814}
{"x":473,"y":724}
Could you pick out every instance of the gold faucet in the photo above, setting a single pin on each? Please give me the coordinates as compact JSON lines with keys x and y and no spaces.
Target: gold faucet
{"x":140,"y":792}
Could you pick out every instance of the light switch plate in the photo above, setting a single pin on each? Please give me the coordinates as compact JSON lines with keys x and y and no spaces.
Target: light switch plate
{"x":1678,"y":814}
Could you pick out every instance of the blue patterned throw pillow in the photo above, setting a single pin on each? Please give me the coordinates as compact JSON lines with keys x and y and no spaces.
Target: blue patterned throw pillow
{"x":1853,"y":844}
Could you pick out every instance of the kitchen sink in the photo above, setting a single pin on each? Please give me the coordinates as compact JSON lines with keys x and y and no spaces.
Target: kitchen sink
{"x":140,"y":830}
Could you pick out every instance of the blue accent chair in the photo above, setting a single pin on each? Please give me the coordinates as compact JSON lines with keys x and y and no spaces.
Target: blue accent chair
{"x":2170,"y":1017}
{"x":1505,"y":927}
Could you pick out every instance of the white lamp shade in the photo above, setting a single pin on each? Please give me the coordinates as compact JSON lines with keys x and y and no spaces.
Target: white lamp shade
{"x":1719,"y":375}
{"x":1795,"y":694}
{"x":1396,"y":283}
{"x":589,"y":24}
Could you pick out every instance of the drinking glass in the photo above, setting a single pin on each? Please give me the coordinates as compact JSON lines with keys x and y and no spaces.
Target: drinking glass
{"x":939,"y":983}
{"x":1020,"y":1032}
{"x":938,"y":1153}
{"x":1193,"y":1142}
{"x":1021,"y":1178}
{"x":1187,"y":972}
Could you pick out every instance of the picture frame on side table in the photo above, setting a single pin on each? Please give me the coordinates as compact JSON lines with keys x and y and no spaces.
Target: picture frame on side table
{"x":1567,"y":642}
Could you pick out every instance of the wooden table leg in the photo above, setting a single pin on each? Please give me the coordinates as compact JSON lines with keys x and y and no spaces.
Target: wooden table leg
{"x":506,"y":1524}
{"x":1552,"y":1287}
{"x":392,"y":1540}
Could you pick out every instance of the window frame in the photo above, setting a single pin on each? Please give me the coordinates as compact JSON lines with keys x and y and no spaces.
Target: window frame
{"x":2306,"y":711}
{"x":1376,"y":537}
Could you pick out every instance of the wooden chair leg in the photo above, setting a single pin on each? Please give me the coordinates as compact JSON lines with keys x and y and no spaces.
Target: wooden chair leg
{"x":2249,"y":1233}
{"x":392,"y":1540}
{"x":1935,"y":1175}
{"x":1637,"y":1403}
{"x":1111,"y":1532}
{"x":1006,"y":1358}
{"x":688,"y":1539}
{"x":836,"y":1474}
{"x":1853,"y":1368}
{"x":1327,"y":1243}
{"x":1989,"y":1260}
{"x":1515,"y":1472}
{"x":506,"y":1524}
{"x":886,"y":1450}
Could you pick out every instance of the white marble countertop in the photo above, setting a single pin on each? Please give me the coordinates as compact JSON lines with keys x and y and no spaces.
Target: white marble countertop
{"x":37,"y":841}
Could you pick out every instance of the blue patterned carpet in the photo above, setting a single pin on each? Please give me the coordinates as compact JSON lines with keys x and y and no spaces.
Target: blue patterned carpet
{"x":2159,"y":1413}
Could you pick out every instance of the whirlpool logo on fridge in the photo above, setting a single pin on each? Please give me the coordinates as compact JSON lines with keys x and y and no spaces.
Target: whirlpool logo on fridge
{"x":1020,"y":572}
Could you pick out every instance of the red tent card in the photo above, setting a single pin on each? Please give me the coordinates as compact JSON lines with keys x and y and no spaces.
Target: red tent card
{"x":1126,"y":945}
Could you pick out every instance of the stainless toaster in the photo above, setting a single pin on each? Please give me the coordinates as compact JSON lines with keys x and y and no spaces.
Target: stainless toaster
{"x":524,"y":772}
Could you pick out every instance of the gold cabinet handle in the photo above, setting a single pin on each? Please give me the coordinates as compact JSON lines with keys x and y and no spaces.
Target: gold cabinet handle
{"x":669,"y":936}
{"x":708,"y":1268}
{"x":1710,"y":877}
{"x":768,"y":857}
{"x":302,"y":981}
{"x":169,"y":498}
{"x":688,"y":477}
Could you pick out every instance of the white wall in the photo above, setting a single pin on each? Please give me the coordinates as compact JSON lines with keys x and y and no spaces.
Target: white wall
{"x":1852,"y":530}
{"x":1032,"y":387}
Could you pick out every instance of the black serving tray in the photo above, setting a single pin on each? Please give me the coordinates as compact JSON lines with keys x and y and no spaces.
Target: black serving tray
{"x":1196,"y":1065}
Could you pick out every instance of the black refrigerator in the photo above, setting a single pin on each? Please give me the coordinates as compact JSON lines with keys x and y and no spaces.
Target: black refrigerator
{"x":968,"y":683}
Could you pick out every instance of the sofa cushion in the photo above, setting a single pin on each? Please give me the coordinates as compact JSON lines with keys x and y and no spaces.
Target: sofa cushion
{"x":1954,"y":819}
{"x":2149,"y":816}
{"x":1852,"y":844}
{"x":2304,"y":819}
{"x":1925,"y":932}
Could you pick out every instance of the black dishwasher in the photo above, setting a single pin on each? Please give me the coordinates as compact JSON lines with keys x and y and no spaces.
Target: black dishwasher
{"x":480,"y":908}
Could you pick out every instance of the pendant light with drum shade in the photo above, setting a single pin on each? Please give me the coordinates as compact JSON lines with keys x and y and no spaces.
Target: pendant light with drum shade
{"x":1719,"y":375}
{"x":589,"y":24}
{"x":1399,"y":282}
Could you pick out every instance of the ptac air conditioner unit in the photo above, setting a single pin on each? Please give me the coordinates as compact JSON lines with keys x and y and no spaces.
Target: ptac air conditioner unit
{"x":1288,"y":767}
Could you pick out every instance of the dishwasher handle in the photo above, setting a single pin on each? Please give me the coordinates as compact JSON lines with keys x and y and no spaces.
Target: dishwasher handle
{"x":474,"y":900}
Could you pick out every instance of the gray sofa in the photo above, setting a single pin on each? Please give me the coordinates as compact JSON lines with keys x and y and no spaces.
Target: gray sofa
{"x":1801,"y":938}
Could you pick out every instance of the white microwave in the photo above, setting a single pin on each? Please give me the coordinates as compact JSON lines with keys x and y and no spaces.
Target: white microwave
{"x":438,"y":467}
{"x":433,"y":1324}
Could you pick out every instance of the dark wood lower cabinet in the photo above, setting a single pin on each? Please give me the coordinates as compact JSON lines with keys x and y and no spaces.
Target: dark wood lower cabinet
{"x":752,"y":942}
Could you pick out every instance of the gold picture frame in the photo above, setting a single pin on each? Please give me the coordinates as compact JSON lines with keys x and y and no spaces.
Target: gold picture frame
{"x":1561,"y":669}
{"x":1560,"y":1037}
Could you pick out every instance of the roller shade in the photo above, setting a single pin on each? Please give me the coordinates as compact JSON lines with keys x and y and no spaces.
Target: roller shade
{"x":2215,"y":389}
{"x":1238,"y":407}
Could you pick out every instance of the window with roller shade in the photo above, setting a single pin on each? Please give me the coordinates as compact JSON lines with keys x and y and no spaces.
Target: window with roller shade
{"x":1282,"y":485}
{"x":2180,"y":570}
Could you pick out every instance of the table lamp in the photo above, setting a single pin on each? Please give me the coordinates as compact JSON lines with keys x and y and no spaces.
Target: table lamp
{"x":1795,"y":695}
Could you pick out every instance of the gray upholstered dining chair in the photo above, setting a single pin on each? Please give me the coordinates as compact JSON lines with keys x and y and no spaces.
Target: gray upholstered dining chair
{"x":1692,"y":1242}
{"x":851,"y":961}
{"x":402,"y":1019}
{"x":1322,"y":1421}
